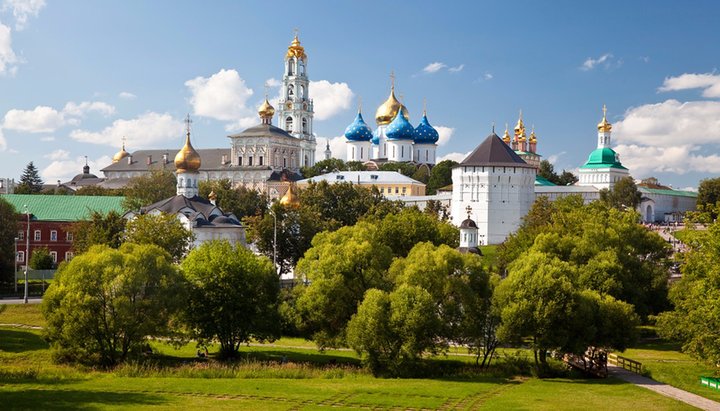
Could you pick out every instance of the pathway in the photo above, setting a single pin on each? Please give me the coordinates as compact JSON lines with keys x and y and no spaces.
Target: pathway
{"x":664,"y":389}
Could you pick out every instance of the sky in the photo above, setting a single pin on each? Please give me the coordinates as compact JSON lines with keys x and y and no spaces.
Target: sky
{"x":78,"y":76}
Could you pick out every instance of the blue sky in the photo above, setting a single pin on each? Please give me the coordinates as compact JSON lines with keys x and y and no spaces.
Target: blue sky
{"x":75,"y":76}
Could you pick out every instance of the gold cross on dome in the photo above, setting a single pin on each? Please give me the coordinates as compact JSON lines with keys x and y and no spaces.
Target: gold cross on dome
{"x":469,"y":210}
{"x":296,"y":31}
{"x":187,"y":123}
{"x":604,"y":111}
{"x":392,"y":79}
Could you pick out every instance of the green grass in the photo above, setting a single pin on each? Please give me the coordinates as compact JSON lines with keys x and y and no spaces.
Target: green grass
{"x":489,"y":255}
{"x":27,"y":314}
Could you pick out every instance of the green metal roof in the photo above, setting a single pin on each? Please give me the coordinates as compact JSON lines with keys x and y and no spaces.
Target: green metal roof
{"x":668,"y":192}
{"x":542,"y":181}
{"x":63,"y":207}
{"x":603,"y":158}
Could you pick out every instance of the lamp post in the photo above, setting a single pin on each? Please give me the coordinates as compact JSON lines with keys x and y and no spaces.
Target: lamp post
{"x":27,"y":254}
{"x":274,"y":239}
{"x":15,"y":265}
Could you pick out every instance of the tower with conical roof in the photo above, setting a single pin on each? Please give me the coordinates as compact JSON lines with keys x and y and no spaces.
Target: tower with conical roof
{"x":187,"y":164}
{"x":295,"y":106}
{"x":357,"y":139}
{"x":603,"y":168}
{"x":426,"y":138}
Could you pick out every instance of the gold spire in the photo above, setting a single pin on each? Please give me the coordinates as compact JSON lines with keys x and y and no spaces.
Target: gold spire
{"x":520,"y":127}
{"x":604,"y":126}
{"x":120,"y":154}
{"x":290,"y":199}
{"x":389,"y":109}
{"x":533,"y":137}
{"x":266,"y":110}
{"x":295,"y":49}
{"x":187,"y":159}
{"x":506,"y":136}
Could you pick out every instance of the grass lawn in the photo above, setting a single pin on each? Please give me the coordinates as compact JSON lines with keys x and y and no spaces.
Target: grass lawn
{"x":27,"y":314}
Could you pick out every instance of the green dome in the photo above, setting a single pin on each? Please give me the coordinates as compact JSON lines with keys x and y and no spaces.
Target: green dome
{"x":603,"y":158}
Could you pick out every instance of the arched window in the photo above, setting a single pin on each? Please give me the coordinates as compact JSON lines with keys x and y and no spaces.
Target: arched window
{"x":288,"y":124}
{"x":302,"y":68}
{"x":290,"y":68}
{"x":291,"y":90}
{"x":304,"y":125}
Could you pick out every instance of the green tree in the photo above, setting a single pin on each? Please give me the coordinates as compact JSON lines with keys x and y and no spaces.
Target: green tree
{"x":567,"y":178}
{"x":101,"y":229}
{"x":97,"y":190}
{"x":323,"y":167}
{"x":102,"y":305}
{"x":406,"y":169}
{"x":41,"y":259}
{"x":547,"y":171}
{"x":8,"y":231}
{"x":233,"y":296}
{"x":163,"y":230}
{"x":340,"y":267}
{"x":422,"y":174}
{"x":355,"y":166}
{"x":410,"y":226}
{"x":240,"y":201}
{"x":150,"y":188}
{"x":340,"y":204}
{"x":707,"y":201}
{"x":440,"y":176}
{"x":623,"y":195}
{"x":30,"y":181}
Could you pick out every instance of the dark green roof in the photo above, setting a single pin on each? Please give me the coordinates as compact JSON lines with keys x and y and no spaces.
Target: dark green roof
{"x":63,"y":208}
{"x":542,"y":181}
{"x":668,"y":192}
{"x":603,"y":158}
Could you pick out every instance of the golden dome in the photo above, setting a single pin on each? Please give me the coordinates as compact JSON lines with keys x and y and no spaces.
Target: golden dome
{"x":187,"y":159}
{"x":389,"y":109}
{"x":296,"y":50}
{"x":120,"y":154}
{"x":506,"y":136}
{"x":533,"y":137}
{"x":266,"y":109}
{"x":520,"y":126}
{"x":604,"y":126}
{"x":290,"y":199}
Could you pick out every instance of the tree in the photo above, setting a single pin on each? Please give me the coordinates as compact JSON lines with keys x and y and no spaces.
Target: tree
{"x":707,"y":201}
{"x":97,"y":190}
{"x":8,"y":232}
{"x":323,"y":167}
{"x":624,"y":194}
{"x":150,"y":188}
{"x":163,"y":230}
{"x":695,"y":318}
{"x":422,"y":174}
{"x":102,"y":305}
{"x":340,"y":204}
{"x":30,"y":181}
{"x":440,"y":176}
{"x":233,"y":296}
{"x":403,"y":230}
{"x":547,"y":171}
{"x":241,"y":201}
{"x":101,"y":229}
{"x":41,"y":259}
{"x":406,"y":169}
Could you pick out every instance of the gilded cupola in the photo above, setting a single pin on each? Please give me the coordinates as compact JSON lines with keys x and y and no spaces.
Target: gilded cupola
{"x":296,"y":50}
{"x":533,"y":137}
{"x":266,"y":112}
{"x":520,"y":127}
{"x":506,"y":136}
{"x":120,"y":154}
{"x":187,"y":159}
{"x":290,"y":199}
{"x":389,"y":109}
{"x":604,"y":126}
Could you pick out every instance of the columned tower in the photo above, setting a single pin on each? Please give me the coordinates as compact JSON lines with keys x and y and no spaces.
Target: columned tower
{"x":187,"y":164}
{"x":295,"y":106}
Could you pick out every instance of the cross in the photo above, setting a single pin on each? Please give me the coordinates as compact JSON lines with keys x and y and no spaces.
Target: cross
{"x":296,"y":31}
{"x":359,"y":104}
{"x":187,"y":123}
{"x":520,"y":114}
{"x":267,"y":86}
{"x":469,"y":210}
{"x":604,"y":110}
{"x":123,"y":141}
{"x":392,"y":79}
{"x":493,"y":125}
{"x":424,"y":106}
{"x":86,"y":160}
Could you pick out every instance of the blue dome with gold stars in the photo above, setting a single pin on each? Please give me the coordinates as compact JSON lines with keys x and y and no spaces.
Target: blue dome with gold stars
{"x":358,"y":130}
{"x":425,"y":133}
{"x":400,"y":128}
{"x":376,"y":137}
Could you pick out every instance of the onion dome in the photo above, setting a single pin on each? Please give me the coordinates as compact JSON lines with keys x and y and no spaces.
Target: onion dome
{"x":468,"y":223}
{"x":290,"y":199}
{"x":400,"y":129}
{"x":212,"y":196}
{"x":266,"y":109}
{"x":425,"y":133}
{"x":376,"y":137}
{"x":296,"y":50}
{"x":358,"y":130}
{"x":604,"y":126}
{"x":187,"y":159}
{"x":120,"y":154}
{"x":506,"y":136}
{"x":533,"y":137}
{"x":389,"y":109}
{"x":520,"y":126}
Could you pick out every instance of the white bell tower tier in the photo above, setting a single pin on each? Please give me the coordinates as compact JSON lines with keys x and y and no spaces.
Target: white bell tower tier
{"x":187,"y":164}
{"x":295,"y":106}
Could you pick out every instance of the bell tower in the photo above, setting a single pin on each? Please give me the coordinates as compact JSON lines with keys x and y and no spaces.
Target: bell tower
{"x":295,"y":106}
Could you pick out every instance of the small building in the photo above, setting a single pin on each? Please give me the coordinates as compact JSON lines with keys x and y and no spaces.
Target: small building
{"x":50,"y":220}
{"x":390,"y":183}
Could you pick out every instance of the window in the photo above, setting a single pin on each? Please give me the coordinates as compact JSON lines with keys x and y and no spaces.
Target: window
{"x":288,"y":124}
{"x":291,"y":90}
{"x":362,"y":152}
{"x":53,"y":235}
{"x":284,"y":162}
{"x":403,"y":190}
{"x":402,"y":151}
{"x":69,"y":237}
{"x":353,"y":153}
{"x":37,"y":235}
{"x":68,"y":255}
{"x":239,"y":161}
{"x":20,"y":257}
{"x":396,"y":190}
{"x":304,"y":125}
{"x":260,"y":161}
{"x":302,"y":88}
{"x":21,"y":235}
{"x":249,"y":160}
{"x":53,"y":254}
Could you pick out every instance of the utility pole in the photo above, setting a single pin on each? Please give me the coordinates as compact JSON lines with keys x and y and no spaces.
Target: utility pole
{"x":27,"y":253}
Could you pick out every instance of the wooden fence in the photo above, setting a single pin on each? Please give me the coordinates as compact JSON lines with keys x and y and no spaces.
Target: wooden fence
{"x":626,"y":363}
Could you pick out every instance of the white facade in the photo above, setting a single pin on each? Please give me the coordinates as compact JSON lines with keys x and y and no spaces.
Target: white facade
{"x":424,"y":153}
{"x":358,"y":150}
{"x":399,"y":151}
{"x":604,"y":177}
{"x":499,"y":196}
{"x":187,"y":183}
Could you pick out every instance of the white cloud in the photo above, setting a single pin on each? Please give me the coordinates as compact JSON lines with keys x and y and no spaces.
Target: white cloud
{"x":22,"y":10}
{"x":338,"y":147}
{"x":445,"y":134}
{"x":488,"y":76}
{"x":454,"y":156}
{"x":221,"y":96}
{"x":434,"y":67}
{"x":47,"y":138}
{"x":591,"y":63}
{"x":3,"y":143}
{"x":58,"y":154}
{"x":709,"y":82}
{"x":330,"y":98}
{"x":65,"y":169}
{"x":242,"y":123}
{"x":41,"y":119}
{"x":644,"y":161}
{"x":74,"y":109}
{"x":147,"y":130}
{"x":553,"y":158}
{"x":456,"y":68}
{"x":8,"y":59}
{"x":126,"y":95}
{"x":273,"y":82}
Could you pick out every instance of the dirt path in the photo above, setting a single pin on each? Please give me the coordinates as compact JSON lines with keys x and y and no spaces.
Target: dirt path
{"x":664,"y":389}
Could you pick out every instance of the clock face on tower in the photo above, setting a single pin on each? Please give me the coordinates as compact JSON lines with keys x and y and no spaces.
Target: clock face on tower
{"x":288,"y":105}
